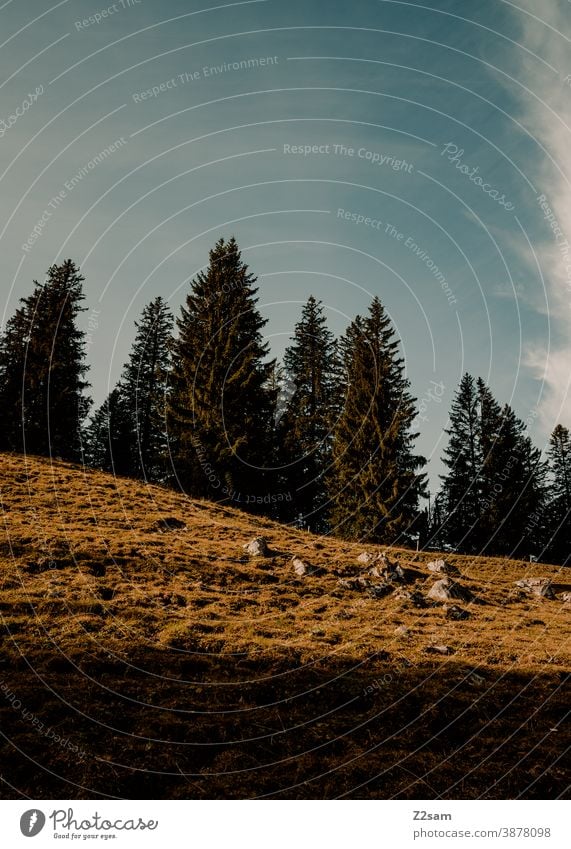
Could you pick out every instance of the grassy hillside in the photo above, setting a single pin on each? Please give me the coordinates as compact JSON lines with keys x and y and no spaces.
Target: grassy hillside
{"x":144,"y":654}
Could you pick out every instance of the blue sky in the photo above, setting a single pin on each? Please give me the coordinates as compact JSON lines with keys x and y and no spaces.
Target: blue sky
{"x":457,"y":116}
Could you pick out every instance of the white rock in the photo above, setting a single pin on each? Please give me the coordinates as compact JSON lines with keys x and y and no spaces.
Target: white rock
{"x":447,"y":590}
{"x":442,"y":567}
{"x":536,"y":586}
{"x":440,"y":649}
{"x":366,"y":558}
{"x":301,"y":568}
{"x":257,"y":547}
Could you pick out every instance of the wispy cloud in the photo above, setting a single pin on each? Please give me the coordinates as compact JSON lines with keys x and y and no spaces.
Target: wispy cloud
{"x":546,"y":113}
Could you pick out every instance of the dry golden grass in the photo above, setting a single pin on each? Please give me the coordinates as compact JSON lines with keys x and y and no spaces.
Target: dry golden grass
{"x":167,"y":650}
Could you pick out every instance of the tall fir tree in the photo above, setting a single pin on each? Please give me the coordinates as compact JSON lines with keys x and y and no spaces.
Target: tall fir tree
{"x":376,"y":481}
{"x":492,"y":497}
{"x":490,"y":423}
{"x":13,"y":347}
{"x":513,"y":490}
{"x":437,"y":535}
{"x":559,"y":495}
{"x":311,"y":369}
{"x":144,"y":385}
{"x":108,"y":442}
{"x":458,"y":502}
{"x":132,"y":420}
{"x":42,"y":368}
{"x":221,"y":404}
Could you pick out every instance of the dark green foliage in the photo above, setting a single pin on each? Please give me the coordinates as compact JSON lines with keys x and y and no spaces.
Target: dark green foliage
{"x":128,"y":434}
{"x":513,"y":490}
{"x":559,"y":489}
{"x":459,"y":500}
{"x":108,"y":439}
{"x":42,"y":369}
{"x":493,"y":496}
{"x":375,"y":484}
{"x":311,"y":373}
{"x":144,"y":389}
{"x":13,"y":347}
{"x":221,"y":404}
{"x":325,"y":441}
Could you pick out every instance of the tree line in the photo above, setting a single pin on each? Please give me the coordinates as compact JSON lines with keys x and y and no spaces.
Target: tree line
{"x":324,"y":440}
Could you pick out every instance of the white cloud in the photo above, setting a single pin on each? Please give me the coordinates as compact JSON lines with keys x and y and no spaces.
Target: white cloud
{"x":547,"y":116}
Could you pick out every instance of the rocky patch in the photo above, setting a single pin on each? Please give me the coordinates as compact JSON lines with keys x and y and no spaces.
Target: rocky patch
{"x":303,"y":569}
{"x":257,"y":547}
{"x":540,"y":587}
{"x":441,"y":567}
{"x":448,"y":590}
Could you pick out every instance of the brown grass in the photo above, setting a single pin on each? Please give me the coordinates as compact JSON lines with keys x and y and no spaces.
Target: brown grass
{"x":169,"y":651}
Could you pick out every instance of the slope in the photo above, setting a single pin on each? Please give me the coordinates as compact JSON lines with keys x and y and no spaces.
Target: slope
{"x":145,"y":654}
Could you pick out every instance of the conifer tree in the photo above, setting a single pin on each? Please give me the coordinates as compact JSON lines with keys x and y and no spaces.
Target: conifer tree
{"x":311,"y":368}
{"x":437,"y":538}
{"x":375,"y":483}
{"x":143,"y":386}
{"x":128,"y":433}
{"x":108,"y":439}
{"x":559,"y":494}
{"x":512,"y":488}
{"x":42,"y":368}
{"x":221,"y":405}
{"x":458,"y":502}
{"x":493,"y":494}
{"x":13,"y":346}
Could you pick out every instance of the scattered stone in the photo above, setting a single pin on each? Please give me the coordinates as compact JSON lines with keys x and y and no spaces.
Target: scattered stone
{"x":382,"y":561}
{"x":442,"y":567}
{"x":391,"y":572}
{"x":565,"y":597}
{"x":447,"y":590}
{"x":456,"y":613}
{"x":536,"y":586}
{"x":301,"y":568}
{"x":439,"y":649}
{"x":413,"y":596}
{"x":366,"y":558}
{"x":359,"y":583}
{"x":257,"y":547}
{"x":401,"y":631}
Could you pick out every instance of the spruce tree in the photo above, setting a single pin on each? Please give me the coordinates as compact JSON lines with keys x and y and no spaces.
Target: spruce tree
{"x":437,"y":534}
{"x":221,"y":405}
{"x":559,"y":494}
{"x":108,"y":442}
{"x":13,"y":346}
{"x":375,"y":483}
{"x":42,"y":368}
{"x":458,"y":502}
{"x":513,"y":489}
{"x":304,"y":430}
{"x":492,"y":497}
{"x":143,"y":386}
